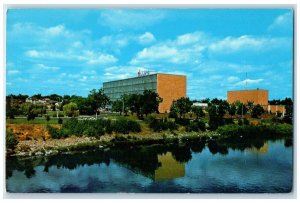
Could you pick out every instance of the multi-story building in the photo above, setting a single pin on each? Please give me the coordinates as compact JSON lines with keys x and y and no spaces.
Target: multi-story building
{"x":257,"y":97}
{"x":168,"y":86}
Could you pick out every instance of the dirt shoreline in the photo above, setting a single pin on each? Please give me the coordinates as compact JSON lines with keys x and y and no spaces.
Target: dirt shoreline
{"x":73,"y":143}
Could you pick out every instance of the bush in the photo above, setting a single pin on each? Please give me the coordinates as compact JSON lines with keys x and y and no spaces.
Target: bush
{"x":47,"y":117}
{"x":243,"y":121}
{"x":196,"y":125}
{"x":56,"y":133}
{"x":92,"y":132}
{"x":31,"y":116}
{"x":60,"y":121}
{"x":182,"y":121}
{"x":11,"y":140}
{"x":158,"y":125}
{"x":125,"y":126}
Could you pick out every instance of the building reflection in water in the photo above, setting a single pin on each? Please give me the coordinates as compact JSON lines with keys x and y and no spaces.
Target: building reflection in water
{"x":169,"y":169}
{"x":261,"y":150}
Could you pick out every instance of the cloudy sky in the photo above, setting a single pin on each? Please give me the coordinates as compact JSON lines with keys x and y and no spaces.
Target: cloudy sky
{"x":71,"y":51}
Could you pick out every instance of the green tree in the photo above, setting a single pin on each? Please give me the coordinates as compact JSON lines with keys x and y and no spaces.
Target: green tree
{"x":197,"y":110}
{"x":135,"y":104}
{"x":71,"y":109}
{"x":257,"y":111}
{"x":174,"y":111}
{"x":232,"y":110}
{"x":150,"y":102}
{"x":98,"y":100}
{"x":117,"y":106}
{"x":184,"y":106}
{"x":11,"y":140}
{"x":241,"y":108}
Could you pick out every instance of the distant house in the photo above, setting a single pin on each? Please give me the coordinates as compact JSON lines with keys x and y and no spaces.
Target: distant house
{"x":203,"y":105}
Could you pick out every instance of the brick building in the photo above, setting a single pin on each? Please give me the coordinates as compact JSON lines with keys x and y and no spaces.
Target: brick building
{"x":257,"y":96}
{"x":168,"y":86}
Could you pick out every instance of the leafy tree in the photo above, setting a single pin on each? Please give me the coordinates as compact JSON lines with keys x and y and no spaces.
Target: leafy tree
{"x":83,"y":104}
{"x":232,"y":109}
{"x":184,"y":105}
{"x":37,"y":97}
{"x":241,"y":108}
{"x":197,"y":110}
{"x":134,"y":103}
{"x":257,"y":111}
{"x":250,"y":106}
{"x":98,"y":100}
{"x":11,"y":140}
{"x":216,"y":110}
{"x":174,"y":111}
{"x":71,"y":109}
{"x":150,"y":102}
{"x":117,"y":106}
{"x":55,"y":97}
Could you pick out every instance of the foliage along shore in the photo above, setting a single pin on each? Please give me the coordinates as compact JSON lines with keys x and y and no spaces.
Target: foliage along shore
{"x":236,"y":136}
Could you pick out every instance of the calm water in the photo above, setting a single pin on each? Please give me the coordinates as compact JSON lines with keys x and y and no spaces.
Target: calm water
{"x":194,"y":167}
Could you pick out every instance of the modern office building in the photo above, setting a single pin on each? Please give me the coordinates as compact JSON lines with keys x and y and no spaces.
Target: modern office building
{"x":168,"y":86}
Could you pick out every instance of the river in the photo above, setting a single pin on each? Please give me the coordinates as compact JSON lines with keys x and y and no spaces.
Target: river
{"x":189,"y":168}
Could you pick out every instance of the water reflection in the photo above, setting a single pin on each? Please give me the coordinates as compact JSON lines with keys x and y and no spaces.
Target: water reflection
{"x":169,"y":168}
{"x":158,"y":163}
{"x":261,"y":150}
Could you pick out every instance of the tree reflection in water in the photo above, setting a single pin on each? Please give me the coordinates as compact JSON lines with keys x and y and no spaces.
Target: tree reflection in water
{"x":158,"y":162}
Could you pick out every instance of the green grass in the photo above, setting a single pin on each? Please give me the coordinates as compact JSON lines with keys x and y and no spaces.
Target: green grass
{"x":54,"y":114}
{"x":35,"y":121}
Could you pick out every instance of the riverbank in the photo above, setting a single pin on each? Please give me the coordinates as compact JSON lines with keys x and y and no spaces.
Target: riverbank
{"x":228,"y":135}
{"x":74,"y":143}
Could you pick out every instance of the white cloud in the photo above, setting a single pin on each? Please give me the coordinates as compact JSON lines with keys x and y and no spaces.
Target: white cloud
{"x":249,"y":43}
{"x":13,"y":72}
{"x":190,"y":38}
{"x":146,"y":38}
{"x":56,"y":30}
{"x":232,"y":79}
{"x":231,"y":44}
{"x":130,"y":18}
{"x":32,"y":53}
{"x":283,"y":21}
{"x":121,"y":72}
{"x":248,"y":82}
{"x":44,"y":67}
{"x":90,"y":57}
{"x":168,"y":52}
{"x":97,"y":58}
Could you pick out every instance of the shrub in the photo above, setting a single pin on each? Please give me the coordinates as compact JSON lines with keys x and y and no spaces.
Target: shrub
{"x":182,"y":121}
{"x":60,"y":121}
{"x":125,"y":126}
{"x":196,"y":125}
{"x":243,"y":121}
{"x":47,"y":117}
{"x":158,"y":125}
{"x":92,"y":132}
{"x":56,"y":133}
{"x":172,"y":125}
{"x":11,"y":140}
{"x":31,"y":116}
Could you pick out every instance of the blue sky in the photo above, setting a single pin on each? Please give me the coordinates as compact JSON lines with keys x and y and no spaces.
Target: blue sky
{"x":71,"y":51}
